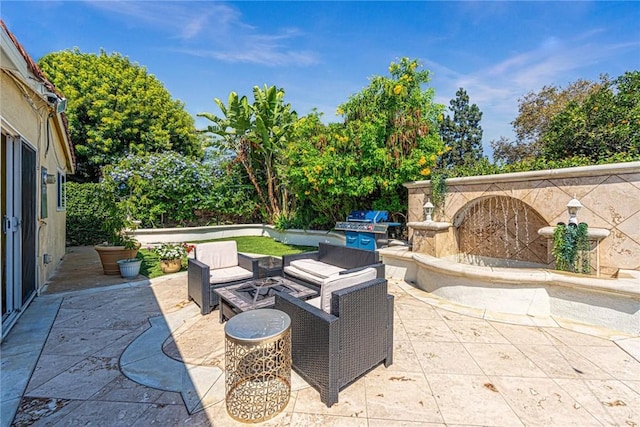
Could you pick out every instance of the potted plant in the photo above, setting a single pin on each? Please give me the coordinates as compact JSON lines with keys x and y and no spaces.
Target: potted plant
{"x":171,"y":255}
{"x":117,"y":225}
{"x":111,"y":252}
{"x":129,"y":267}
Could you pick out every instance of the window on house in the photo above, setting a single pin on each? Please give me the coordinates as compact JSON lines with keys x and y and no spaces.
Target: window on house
{"x":61,"y":182}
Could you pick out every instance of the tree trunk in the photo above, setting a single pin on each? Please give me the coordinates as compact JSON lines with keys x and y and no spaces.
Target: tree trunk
{"x":256,"y":185}
{"x":273,"y":201}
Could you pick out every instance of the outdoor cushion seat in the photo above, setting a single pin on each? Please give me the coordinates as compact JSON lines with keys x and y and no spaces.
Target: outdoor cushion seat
{"x":297,"y":274}
{"x":216,"y":264}
{"x":329,"y":262}
{"x":229,"y":274}
{"x":316,"y":268}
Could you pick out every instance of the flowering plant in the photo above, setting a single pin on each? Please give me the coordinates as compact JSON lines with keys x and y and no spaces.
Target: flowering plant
{"x":172,"y":250}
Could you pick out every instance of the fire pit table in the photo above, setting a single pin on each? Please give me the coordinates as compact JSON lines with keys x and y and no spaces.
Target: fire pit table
{"x":258,"y":293}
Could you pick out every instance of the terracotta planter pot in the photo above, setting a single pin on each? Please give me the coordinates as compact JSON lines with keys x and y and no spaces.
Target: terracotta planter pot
{"x":109,"y":256}
{"x":171,"y":265}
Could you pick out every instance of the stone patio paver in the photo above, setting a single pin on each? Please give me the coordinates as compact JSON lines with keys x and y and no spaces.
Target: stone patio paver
{"x":70,"y":360}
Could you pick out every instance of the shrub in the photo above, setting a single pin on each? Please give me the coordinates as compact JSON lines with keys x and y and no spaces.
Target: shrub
{"x":158,"y":189}
{"x":85,"y":214}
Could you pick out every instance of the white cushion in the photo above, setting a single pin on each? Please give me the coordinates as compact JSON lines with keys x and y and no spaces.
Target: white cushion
{"x":314,"y":302}
{"x":316,"y":268}
{"x":218,"y":254}
{"x":341,"y":281}
{"x":229,"y":274}
{"x":303,"y":275}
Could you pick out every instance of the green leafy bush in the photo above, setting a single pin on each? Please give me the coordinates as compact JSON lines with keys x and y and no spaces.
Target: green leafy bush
{"x":229,"y":201}
{"x":157,"y":189}
{"x":95,"y":217}
{"x":85,"y":214}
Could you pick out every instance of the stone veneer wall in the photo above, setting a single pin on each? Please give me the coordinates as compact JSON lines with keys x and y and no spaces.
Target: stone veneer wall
{"x":479,"y":207}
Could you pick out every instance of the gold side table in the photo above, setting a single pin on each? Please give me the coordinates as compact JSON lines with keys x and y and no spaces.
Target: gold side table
{"x":257,"y":364}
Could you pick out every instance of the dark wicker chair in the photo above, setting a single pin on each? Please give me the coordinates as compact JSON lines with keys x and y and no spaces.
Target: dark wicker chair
{"x":330,"y":351}
{"x":202,"y":278}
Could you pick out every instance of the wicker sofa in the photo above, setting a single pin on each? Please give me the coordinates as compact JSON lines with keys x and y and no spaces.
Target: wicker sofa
{"x":330,"y":262}
{"x":331,"y":350}
{"x":216,"y":264}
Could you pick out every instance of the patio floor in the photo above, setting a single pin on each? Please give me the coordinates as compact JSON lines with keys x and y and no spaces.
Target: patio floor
{"x":103,"y":351}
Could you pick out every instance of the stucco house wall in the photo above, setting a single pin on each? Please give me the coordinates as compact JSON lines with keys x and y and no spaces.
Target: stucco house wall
{"x":30,"y":114}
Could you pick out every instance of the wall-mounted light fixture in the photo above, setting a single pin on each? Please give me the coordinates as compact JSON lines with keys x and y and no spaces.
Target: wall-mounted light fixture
{"x":61,"y":105}
{"x":573,"y":207}
{"x":56,"y":101}
{"x":428,"y":210}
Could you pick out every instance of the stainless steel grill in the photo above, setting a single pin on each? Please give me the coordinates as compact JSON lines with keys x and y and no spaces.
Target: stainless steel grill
{"x":366,"y":229}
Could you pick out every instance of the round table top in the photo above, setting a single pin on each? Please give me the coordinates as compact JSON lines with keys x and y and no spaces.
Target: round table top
{"x":257,"y":325}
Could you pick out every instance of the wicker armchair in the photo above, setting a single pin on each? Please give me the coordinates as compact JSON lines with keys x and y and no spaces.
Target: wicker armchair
{"x":332,"y":350}
{"x":216,"y":264}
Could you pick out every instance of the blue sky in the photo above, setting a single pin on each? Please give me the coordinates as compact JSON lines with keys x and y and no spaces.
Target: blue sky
{"x":323,"y":52}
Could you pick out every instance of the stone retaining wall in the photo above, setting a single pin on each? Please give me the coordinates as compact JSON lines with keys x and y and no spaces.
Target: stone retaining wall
{"x":194,"y":234}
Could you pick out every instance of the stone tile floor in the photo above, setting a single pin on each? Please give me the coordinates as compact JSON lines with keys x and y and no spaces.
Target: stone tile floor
{"x":139,"y":354}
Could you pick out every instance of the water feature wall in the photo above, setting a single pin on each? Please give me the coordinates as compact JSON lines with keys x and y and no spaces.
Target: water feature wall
{"x":499,"y":216}
{"x":500,"y":231}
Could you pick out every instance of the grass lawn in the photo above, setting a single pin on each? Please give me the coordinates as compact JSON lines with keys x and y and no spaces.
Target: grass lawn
{"x":249,"y":244}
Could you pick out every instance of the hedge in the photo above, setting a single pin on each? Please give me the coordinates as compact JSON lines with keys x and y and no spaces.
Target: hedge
{"x":85,"y":215}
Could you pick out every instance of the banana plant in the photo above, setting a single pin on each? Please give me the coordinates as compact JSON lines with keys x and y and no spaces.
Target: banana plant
{"x":235,"y":128}
{"x":257,"y":134}
{"x":273,"y":125}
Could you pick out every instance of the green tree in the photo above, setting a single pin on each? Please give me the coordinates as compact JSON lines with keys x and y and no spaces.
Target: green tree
{"x":605,"y":124}
{"x":328,"y":173}
{"x":506,"y":151}
{"x":116,"y":108}
{"x":388,"y":137}
{"x":462,"y":132}
{"x":257,"y":134}
{"x":231,"y":132}
{"x":536,"y":110}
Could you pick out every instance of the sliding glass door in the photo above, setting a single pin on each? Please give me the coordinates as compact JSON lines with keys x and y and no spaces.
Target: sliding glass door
{"x":19,"y":179}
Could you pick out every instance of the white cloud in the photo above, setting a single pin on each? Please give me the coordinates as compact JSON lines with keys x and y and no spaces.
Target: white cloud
{"x":213,"y":30}
{"x":261,"y":49}
{"x":184,"y":22}
{"x":267,"y":56}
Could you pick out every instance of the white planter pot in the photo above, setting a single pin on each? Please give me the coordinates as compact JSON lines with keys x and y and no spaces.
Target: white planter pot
{"x":129,"y":268}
